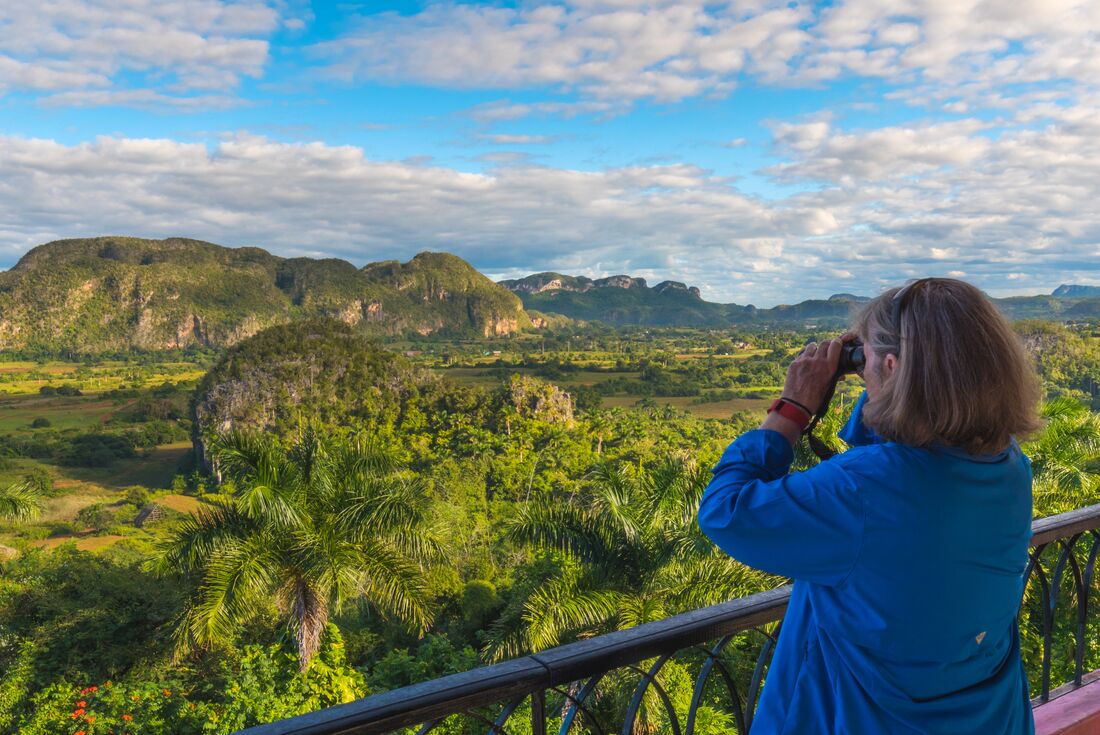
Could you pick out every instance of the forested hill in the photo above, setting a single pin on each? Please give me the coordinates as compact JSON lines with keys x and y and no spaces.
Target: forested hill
{"x":624,"y":300}
{"x":108,"y":294}
{"x":114,"y":293}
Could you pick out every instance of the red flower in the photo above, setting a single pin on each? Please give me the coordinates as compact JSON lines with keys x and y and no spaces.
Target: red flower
{"x":90,"y":719}
{"x":78,"y":713}
{"x":82,"y":703}
{"x":127,"y":718}
{"x":79,"y":732}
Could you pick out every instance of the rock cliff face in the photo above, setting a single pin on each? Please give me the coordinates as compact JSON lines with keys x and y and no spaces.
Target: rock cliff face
{"x":542,"y":282}
{"x":112,"y":293}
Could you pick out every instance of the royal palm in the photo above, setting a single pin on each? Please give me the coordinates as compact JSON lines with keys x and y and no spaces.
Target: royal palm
{"x":313,"y":528}
{"x":631,"y":553}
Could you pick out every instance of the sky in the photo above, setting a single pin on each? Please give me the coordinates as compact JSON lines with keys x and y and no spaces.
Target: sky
{"x":766,"y":152}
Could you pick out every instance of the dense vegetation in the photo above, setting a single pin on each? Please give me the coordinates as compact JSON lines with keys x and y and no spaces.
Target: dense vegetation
{"x":106,"y":294}
{"x":374,"y":518}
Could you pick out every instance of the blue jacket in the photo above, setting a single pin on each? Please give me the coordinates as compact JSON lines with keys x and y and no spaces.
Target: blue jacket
{"x":908,"y":566}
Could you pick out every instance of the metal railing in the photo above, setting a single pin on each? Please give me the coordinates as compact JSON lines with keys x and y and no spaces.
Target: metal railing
{"x":560,"y":688}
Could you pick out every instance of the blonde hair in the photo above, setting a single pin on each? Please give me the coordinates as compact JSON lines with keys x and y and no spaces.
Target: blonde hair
{"x":962,"y":376}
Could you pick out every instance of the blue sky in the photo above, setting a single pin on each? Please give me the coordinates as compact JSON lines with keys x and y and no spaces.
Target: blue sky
{"x":766,"y":152}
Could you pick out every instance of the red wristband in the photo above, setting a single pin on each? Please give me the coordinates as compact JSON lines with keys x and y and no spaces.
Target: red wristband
{"x":790,"y":411}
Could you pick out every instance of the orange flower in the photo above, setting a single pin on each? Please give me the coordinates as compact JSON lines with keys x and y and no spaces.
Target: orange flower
{"x":127,"y":718}
{"x":167,"y":693}
{"x":79,"y":732}
{"x":108,"y":684}
{"x":82,"y":703}
{"x":136,"y":697}
{"x":90,"y":719}
{"x":93,"y":689}
{"x":78,"y":713}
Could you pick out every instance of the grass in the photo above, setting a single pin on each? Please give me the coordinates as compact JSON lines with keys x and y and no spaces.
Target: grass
{"x":63,"y":412}
{"x":83,"y":543}
{"x":65,"y":507}
{"x":26,"y":378}
{"x":180,"y":503}
{"x":153,"y":470}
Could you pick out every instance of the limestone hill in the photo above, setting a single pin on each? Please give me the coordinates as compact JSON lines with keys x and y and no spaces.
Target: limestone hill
{"x":115,"y":293}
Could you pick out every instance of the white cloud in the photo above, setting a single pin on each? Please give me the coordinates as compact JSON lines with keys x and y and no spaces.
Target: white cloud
{"x":503,"y":139}
{"x":617,"y":52}
{"x":78,"y":48}
{"x":1003,"y":212}
{"x":608,"y":51}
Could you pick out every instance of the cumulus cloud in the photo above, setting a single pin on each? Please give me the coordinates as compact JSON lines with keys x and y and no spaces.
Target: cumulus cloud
{"x":617,"y":52}
{"x":82,"y":48}
{"x":1018,"y":202}
{"x":664,"y":51}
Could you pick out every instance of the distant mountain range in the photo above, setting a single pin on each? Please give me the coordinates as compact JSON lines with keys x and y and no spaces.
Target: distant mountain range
{"x":624,"y":300}
{"x":116,"y":293}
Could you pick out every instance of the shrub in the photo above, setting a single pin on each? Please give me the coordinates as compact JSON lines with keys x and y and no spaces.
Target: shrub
{"x":41,"y":480}
{"x":40,"y":422}
{"x":137,"y":496}
{"x":96,"y":450}
{"x":63,"y":528}
{"x":60,"y":390}
{"x":97,"y":517}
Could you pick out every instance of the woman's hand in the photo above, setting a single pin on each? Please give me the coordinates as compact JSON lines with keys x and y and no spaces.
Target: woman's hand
{"x":812,"y":372}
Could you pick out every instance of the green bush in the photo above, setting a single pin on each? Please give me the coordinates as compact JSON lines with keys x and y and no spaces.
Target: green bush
{"x":96,"y":450}
{"x":96,"y":517}
{"x":41,"y":480}
{"x":137,"y":496}
{"x":40,"y":422}
{"x":63,"y":528}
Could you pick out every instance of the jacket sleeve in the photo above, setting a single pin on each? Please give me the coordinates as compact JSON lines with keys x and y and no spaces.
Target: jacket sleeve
{"x":855,"y":433}
{"x":807,"y":526}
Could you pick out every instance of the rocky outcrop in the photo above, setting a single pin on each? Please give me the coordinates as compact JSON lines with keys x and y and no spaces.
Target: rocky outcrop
{"x":665,"y":286}
{"x":116,"y":293}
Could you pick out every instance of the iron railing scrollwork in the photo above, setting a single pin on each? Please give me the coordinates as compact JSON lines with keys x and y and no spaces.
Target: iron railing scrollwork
{"x":609,"y":684}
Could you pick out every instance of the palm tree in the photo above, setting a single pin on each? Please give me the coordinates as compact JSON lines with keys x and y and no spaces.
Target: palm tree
{"x":312,"y":528}
{"x":1065,"y":457}
{"x":19,"y":502}
{"x":631,"y":553}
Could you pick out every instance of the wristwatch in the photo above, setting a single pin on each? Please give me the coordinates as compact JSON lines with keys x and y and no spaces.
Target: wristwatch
{"x":791,"y":410}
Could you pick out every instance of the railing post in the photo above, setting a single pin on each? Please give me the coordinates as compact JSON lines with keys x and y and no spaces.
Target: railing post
{"x":538,"y":712}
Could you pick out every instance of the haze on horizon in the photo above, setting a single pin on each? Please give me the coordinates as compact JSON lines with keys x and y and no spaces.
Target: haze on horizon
{"x":766,"y":152}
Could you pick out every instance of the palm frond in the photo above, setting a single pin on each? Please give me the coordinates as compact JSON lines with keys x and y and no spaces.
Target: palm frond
{"x":395,"y":584}
{"x":235,"y":582}
{"x":561,"y":527}
{"x":616,"y":500}
{"x":383,"y":505}
{"x":640,"y":609}
{"x":20,"y":501}
{"x":196,"y":539}
{"x":698,"y":582}
{"x":561,"y":607}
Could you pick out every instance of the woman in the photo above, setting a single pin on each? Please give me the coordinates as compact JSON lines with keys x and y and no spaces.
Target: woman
{"x":908,"y":550}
